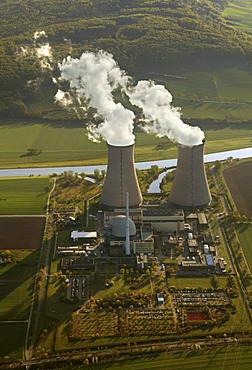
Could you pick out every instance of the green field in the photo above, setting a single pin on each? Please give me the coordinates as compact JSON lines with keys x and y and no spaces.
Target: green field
{"x":245,"y":236}
{"x":24,"y":196}
{"x":239,"y":14}
{"x":17,"y":283}
{"x":67,"y":144}
{"x":215,"y":80}
{"x":229,"y":358}
{"x":218,"y":89}
{"x":13,"y":339}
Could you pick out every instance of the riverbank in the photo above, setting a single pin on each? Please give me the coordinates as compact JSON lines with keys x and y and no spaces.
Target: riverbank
{"x":38,"y":143}
{"x":32,"y":171}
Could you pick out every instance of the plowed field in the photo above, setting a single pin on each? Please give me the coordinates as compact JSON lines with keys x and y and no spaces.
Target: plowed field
{"x":239,"y":181}
{"x":21,"y":232}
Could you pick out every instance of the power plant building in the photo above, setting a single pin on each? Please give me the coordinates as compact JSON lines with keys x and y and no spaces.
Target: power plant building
{"x":121,"y":178}
{"x":190,"y":188}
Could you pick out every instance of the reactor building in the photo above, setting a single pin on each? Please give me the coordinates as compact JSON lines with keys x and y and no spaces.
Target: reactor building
{"x":190,"y":188}
{"x":121,"y":178}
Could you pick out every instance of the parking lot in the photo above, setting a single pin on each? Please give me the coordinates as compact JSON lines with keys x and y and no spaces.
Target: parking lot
{"x":194,"y":298}
{"x":77,"y":288}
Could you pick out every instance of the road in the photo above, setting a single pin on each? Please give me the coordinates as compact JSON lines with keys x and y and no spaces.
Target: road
{"x":29,"y":351}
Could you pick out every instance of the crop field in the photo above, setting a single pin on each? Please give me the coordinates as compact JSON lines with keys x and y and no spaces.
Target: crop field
{"x":239,"y":182}
{"x":220,"y":90}
{"x":245,"y":236}
{"x":24,"y":196}
{"x":67,"y":143}
{"x":219,"y":81}
{"x":216,"y":110}
{"x":21,"y":232}
{"x":228,"y":358}
{"x":14,"y":339}
{"x":239,"y":14}
{"x":16,"y":286}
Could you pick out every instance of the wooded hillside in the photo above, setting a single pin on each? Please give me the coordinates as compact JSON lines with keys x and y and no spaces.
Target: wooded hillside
{"x":141,"y":34}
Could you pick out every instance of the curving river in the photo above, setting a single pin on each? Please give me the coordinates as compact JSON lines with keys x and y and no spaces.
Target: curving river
{"x":240,"y":153}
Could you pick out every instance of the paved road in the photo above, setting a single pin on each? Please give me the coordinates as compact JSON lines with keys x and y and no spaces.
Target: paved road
{"x":16,"y":216}
{"x":29,"y":352}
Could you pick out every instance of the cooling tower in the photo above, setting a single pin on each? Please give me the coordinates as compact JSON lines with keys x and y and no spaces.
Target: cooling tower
{"x":121,"y":178}
{"x":190,"y":187}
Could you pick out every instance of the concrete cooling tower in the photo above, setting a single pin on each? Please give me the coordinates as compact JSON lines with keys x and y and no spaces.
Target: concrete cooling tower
{"x":190,"y":187}
{"x":121,"y":178}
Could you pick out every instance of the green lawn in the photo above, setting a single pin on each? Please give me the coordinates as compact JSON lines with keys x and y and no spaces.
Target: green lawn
{"x":24,"y":196}
{"x":17,"y":283}
{"x":245,"y":235}
{"x":239,"y":14}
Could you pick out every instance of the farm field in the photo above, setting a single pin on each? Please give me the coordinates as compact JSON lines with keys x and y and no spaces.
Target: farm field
{"x":239,"y":14}
{"x":24,"y":196}
{"x":21,"y":232}
{"x":14,"y":339}
{"x":216,"y":90}
{"x":67,"y":143}
{"x":245,"y":236}
{"x":214,"y":80}
{"x":239,"y":182}
{"x":228,"y":358}
{"x":17,"y":282}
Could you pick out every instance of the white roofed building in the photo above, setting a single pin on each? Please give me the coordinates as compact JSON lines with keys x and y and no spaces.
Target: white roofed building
{"x":87,"y":235}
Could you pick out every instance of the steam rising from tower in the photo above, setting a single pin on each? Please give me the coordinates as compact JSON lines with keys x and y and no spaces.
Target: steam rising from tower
{"x":160,"y":117}
{"x":190,"y":187}
{"x":94,"y":79}
{"x":121,"y":178}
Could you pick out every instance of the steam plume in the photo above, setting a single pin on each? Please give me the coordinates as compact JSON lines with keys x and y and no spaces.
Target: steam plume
{"x":40,"y":50}
{"x":94,"y":78}
{"x":160,"y":117}
{"x":43,"y":50}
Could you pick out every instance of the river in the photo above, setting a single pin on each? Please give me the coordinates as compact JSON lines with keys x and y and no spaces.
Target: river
{"x":240,"y":153}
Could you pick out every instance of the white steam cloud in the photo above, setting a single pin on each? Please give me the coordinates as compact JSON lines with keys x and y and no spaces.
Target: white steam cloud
{"x":160,"y":117}
{"x":43,"y":50}
{"x":94,"y":78}
{"x":40,"y":50}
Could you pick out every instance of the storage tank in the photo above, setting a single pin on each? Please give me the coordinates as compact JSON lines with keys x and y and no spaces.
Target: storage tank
{"x":206,"y":248}
{"x":121,"y":178}
{"x":190,"y":187}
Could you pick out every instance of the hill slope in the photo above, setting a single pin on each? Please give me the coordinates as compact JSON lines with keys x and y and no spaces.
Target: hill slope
{"x":142,"y":34}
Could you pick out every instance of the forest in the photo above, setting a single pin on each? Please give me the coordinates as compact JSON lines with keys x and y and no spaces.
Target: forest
{"x":143,"y":35}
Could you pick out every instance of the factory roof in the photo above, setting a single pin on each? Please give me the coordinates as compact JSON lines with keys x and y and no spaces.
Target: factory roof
{"x":192,"y":243}
{"x":202,"y":218}
{"x":209,"y":260}
{"x":83,"y":234}
{"x":161,"y":211}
